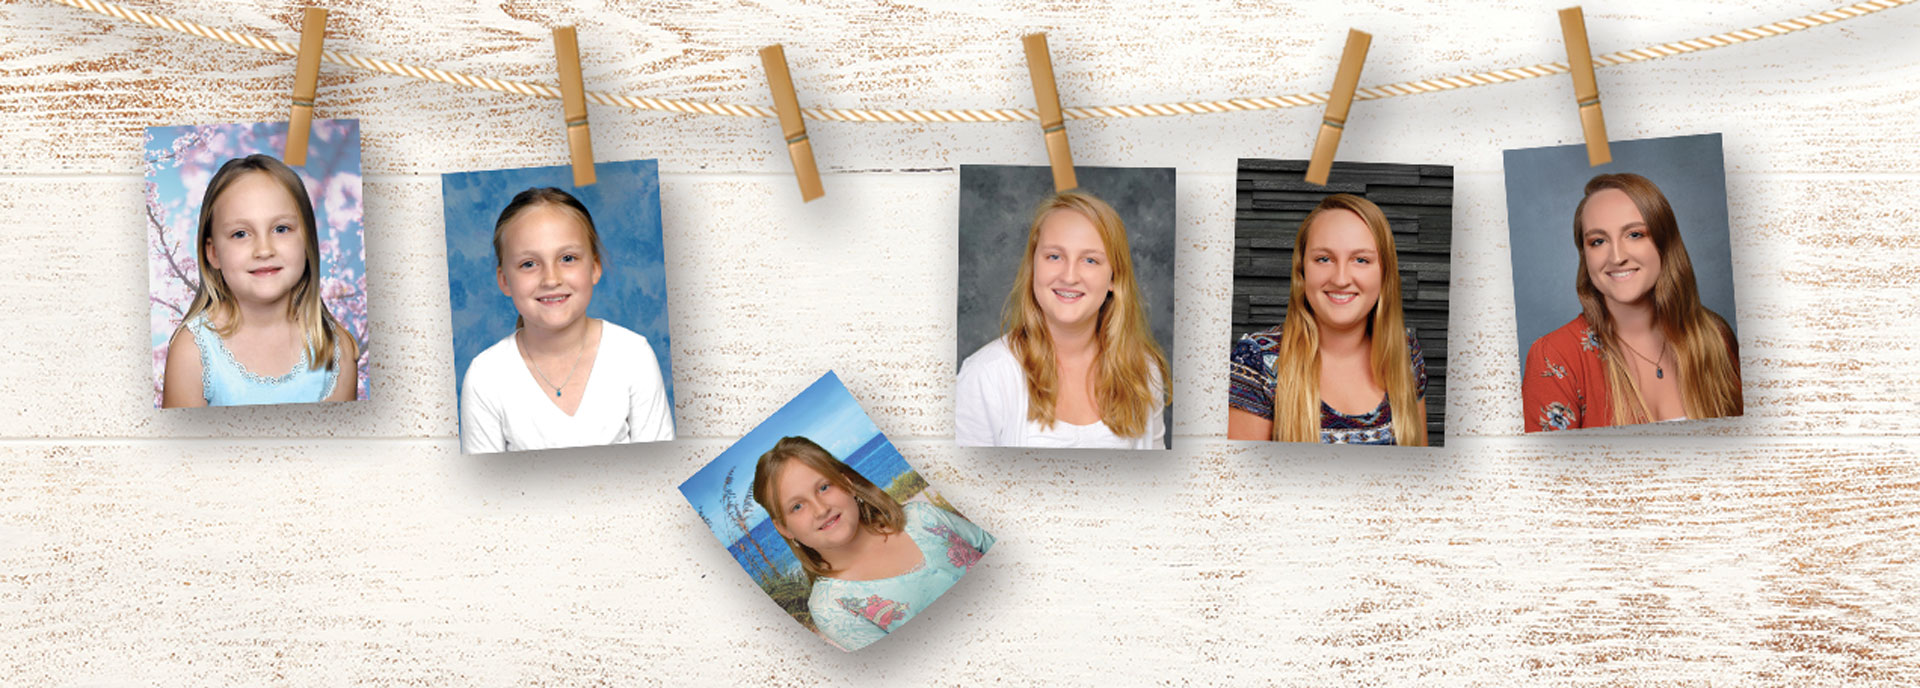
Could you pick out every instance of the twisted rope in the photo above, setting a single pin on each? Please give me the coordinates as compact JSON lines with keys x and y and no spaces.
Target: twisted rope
{"x":1404,"y":88}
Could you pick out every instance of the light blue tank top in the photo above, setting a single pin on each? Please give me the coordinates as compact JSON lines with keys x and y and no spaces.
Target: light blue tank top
{"x":227,"y":383}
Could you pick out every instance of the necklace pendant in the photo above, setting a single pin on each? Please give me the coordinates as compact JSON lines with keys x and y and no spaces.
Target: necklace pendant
{"x":1659,"y":372}
{"x":556,"y":393}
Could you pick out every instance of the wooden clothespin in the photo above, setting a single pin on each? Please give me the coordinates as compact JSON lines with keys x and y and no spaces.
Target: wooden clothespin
{"x":573,"y":100}
{"x":1586,"y":91}
{"x":1339,"y":101}
{"x":1052,"y":123}
{"x":792,"y":127}
{"x":306,"y":81}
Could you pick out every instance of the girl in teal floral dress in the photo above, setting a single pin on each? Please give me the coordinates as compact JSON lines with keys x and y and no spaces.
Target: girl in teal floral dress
{"x":874,"y":563}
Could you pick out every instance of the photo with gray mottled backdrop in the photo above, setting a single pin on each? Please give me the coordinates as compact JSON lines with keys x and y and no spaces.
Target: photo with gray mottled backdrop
{"x":996,"y":210}
{"x":1273,"y":198}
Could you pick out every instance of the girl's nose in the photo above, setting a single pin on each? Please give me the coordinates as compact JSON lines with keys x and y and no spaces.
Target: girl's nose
{"x":550,"y":274}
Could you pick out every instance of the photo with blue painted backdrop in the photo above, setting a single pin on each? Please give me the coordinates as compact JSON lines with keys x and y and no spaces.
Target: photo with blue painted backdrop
{"x":845,"y":494}
{"x":264,"y":259}
{"x":559,"y":307}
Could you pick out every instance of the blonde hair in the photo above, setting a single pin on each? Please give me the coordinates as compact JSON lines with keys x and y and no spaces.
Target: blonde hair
{"x":1296,"y":394}
{"x":879,"y":514}
{"x":1128,"y":358}
{"x":537,"y":197}
{"x":305,"y":308}
{"x":1709,"y":377}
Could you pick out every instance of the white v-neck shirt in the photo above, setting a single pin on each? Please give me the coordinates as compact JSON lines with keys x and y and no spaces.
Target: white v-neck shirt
{"x":503,"y":408}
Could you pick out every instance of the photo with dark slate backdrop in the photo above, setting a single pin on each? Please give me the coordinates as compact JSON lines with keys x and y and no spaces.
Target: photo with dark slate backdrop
{"x":1271,"y":201}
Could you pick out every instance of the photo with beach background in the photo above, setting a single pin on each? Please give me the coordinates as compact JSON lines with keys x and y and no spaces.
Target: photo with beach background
{"x":722,"y":492}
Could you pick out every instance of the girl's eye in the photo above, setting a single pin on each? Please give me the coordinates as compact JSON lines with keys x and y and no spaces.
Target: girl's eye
{"x":281,"y":229}
{"x":823,"y":488}
{"x":1092,"y":261}
{"x":569,"y":258}
{"x":1595,"y":242}
{"x":238,"y":234}
{"x":794,"y":509}
{"x":1321,"y":259}
{"x":1637,"y":234}
{"x":526,"y":264}
{"x":1052,"y":256}
{"x":1363,"y":261}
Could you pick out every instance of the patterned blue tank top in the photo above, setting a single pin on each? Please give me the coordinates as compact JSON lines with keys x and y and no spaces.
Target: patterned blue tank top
{"x":227,"y":383}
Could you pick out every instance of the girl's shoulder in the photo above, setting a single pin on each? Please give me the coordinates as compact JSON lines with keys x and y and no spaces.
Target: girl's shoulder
{"x":993,"y":365}
{"x":614,"y":337}
{"x":1265,"y":341}
{"x":1577,"y":334}
{"x":994,"y":353}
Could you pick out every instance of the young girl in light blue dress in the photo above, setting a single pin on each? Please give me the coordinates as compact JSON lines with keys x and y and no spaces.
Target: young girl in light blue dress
{"x":874,"y":563}
{"x":257,"y":331}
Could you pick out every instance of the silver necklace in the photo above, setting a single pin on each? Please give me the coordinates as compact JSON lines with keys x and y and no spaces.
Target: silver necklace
{"x":570,"y":371}
{"x":1658,"y":371}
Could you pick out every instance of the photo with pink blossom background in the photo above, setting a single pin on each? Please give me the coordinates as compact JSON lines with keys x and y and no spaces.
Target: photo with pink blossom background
{"x":180,"y":160}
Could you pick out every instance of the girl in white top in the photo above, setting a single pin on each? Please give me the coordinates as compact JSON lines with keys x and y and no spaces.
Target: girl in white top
{"x":1077,"y":365}
{"x":562,"y":379}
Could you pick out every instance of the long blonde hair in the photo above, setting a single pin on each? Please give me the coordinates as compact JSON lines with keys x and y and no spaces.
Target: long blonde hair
{"x":1296,"y":394}
{"x":1125,"y":385}
{"x":305,"y":308}
{"x":1709,"y":379}
{"x":879,"y":514}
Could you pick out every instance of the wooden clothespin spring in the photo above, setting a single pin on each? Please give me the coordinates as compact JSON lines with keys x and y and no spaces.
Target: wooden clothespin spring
{"x":306,"y":83}
{"x":792,"y":127}
{"x":1053,"y":123}
{"x":1339,"y":102}
{"x":1586,"y":90}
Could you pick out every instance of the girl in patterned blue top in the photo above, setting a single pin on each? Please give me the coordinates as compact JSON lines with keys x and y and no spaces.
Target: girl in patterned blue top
{"x":1343,"y":368}
{"x":257,"y":331}
{"x":873,"y":563}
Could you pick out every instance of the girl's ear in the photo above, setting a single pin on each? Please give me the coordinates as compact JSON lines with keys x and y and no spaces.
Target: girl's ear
{"x":780,"y":528}
{"x":596,"y":270}
{"x":500,"y":277}
{"x":213,"y":257}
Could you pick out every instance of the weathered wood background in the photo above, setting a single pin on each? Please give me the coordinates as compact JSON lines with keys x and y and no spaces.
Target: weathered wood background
{"x":352,"y":543}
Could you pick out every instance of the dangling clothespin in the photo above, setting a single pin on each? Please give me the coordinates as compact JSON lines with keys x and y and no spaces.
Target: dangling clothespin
{"x":792,"y":127}
{"x":1586,"y":91}
{"x":1052,"y":122}
{"x":306,"y":82}
{"x":573,"y":101}
{"x":1339,"y":101}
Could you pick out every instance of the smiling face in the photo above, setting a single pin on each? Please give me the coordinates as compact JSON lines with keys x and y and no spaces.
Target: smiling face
{"x":1620,"y":256}
{"x":1072,"y":277}
{"x":256,"y":240}
{"x":813,"y":510}
{"x":1341,"y":270}
{"x":547,"y":266}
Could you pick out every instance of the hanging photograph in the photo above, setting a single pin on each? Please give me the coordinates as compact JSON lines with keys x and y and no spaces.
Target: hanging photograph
{"x":1340,"y":301}
{"x":559,"y":304}
{"x":1065,"y":309}
{"x":1623,"y":284}
{"x":256,"y":270}
{"x":826,"y":517}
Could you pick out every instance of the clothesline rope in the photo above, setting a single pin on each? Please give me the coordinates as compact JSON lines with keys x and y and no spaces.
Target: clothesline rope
{"x":1403,"y":88}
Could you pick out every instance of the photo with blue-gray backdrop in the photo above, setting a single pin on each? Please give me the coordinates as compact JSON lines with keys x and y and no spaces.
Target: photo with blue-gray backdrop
{"x":1545,"y":185}
{"x":625,"y":205}
{"x":996,"y":211}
